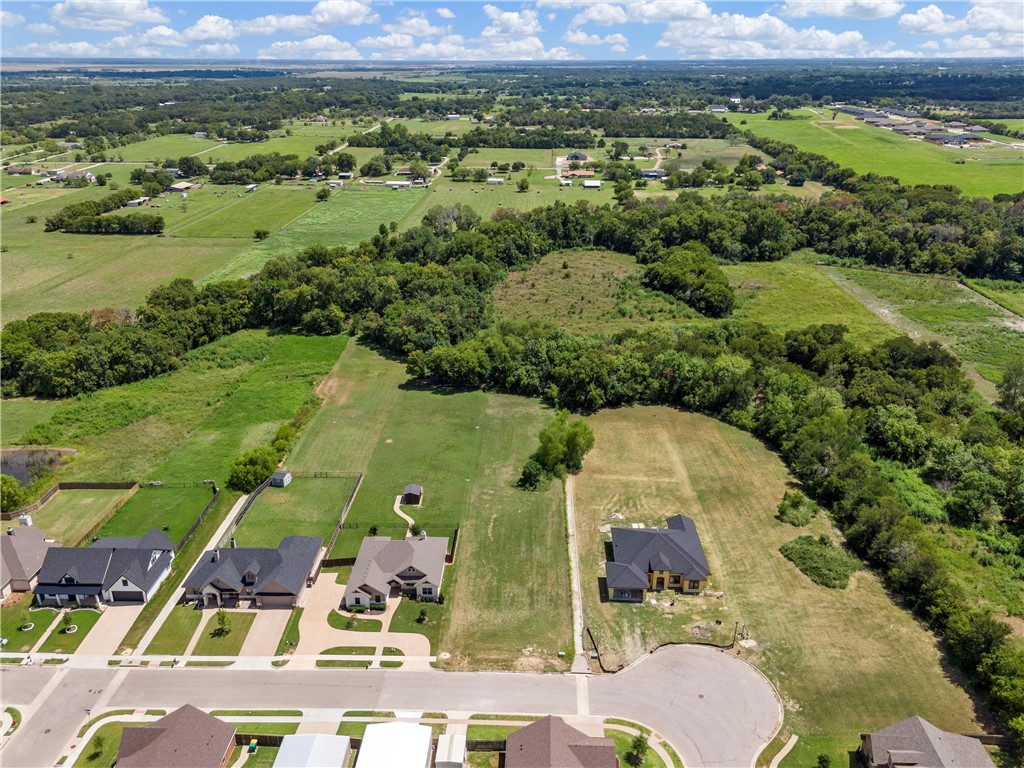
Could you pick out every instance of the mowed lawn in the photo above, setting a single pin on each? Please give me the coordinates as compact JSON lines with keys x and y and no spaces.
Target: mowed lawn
{"x":309,"y":506}
{"x":466,"y":449}
{"x":586,"y":292}
{"x":158,"y":149}
{"x":176,"y":632}
{"x":212,"y":642}
{"x":270,"y":207}
{"x":153,"y":508}
{"x":794,"y":293}
{"x":69,"y":515}
{"x":849,"y":142}
{"x":844,"y":661}
{"x":20,"y":414}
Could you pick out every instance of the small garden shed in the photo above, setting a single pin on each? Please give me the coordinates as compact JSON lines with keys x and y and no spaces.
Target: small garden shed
{"x":413,"y":494}
{"x":281,"y":478}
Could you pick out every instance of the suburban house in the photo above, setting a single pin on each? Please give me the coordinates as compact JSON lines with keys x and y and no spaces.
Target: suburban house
{"x":395,"y":745}
{"x":551,"y":743}
{"x":576,"y":157}
{"x":313,"y":750}
{"x":916,"y":742}
{"x":656,"y":558}
{"x":413,"y":567}
{"x":271,"y":578}
{"x":282,"y":478}
{"x":186,"y":738}
{"x":413,"y":494}
{"x":111,"y":571}
{"x":21,"y":556}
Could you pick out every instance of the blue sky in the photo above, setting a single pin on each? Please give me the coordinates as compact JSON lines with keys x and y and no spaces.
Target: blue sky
{"x":541,"y":30}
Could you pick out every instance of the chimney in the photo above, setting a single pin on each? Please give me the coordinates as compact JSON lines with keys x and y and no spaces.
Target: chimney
{"x":10,"y":531}
{"x":233,"y":544}
{"x":216,"y":555}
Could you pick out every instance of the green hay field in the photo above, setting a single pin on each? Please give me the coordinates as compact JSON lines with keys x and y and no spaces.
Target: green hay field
{"x":161,"y":148}
{"x":851,"y":143}
{"x":149,"y":508}
{"x":20,"y":414}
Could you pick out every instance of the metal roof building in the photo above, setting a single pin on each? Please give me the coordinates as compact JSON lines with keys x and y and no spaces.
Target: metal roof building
{"x":314,"y":750}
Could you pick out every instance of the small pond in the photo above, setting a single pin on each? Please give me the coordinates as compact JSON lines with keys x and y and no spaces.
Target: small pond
{"x":26,"y":464}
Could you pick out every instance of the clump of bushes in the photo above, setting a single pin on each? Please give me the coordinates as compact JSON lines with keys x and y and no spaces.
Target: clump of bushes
{"x":692,"y":275}
{"x":796,"y":509}
{"x":821,"y":561}
{"x":563,"y":444}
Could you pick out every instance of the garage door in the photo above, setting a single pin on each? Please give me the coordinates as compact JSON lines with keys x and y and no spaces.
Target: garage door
{"x":128,"y":596}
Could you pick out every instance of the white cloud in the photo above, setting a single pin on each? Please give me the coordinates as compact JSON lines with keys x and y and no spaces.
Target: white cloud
{"x":1009,"y":43}
{"x":603,"y":14}
{"x":42,"y":29}
{"x":394,"y":40}
{"x":218,"y":50}
{"x":54,"y":48}
{"x":326,"y":47}
{"x":8,"y":19}
{"x":159,"y":37}
{"x":579,"y":37}
{"x":342,"y":12}
{"x":842,"y":9}
{"x":445,"y":13}
{"x":648,"y":11}
{"x":931,"y":45}
{"x":619,"y":48}
{"x":930,"y":20}
{"x":730,"y":36}
{"x":415,"y":24}
{"x":510,"y":23}
{"x":268,"y":25}
{"x":995,"y":15}
{"x":105,"y":15}
{"x":211,"y":28}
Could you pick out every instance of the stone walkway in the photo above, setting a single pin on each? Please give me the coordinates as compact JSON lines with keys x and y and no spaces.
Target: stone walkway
{"x":409,"y":521}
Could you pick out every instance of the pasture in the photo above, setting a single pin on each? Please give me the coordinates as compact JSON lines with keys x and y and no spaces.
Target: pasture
{"x":844,"y":661}
{"x":596,"y":292}
{"x":466,"y":449}
{"x":438,"y":127}
{"x":270,"y":207}
{"x":543,"y":159}
{"x":851,"y":143}
{"x":156,"y":150}
{"x":795,"y":293}
{"x":302,"y":144}
{"x":981,"y":333}
{"x":698,"y":150}
{"x":309,"y":506}
{"x":69,"y":515}
{"x":20,"y":414}
{"x":1006,"y":293}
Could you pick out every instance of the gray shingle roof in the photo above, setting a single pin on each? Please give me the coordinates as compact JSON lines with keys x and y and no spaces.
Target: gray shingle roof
{"x":916,"y":742}
{"x":380,"y":560}
{"x":639,"y":551}
{"x":413,"y":488}
{"x":551,"y":743}
{"x":101,"y":565}
{"x":285,"y":568}
{"x":22,"y":553}
{"x":186,"y":738}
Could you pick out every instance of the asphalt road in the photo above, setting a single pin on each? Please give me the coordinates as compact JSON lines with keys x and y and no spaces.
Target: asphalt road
{"x":716,"y":710}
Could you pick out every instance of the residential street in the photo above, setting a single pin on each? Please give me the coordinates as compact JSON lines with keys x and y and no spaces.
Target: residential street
{"x":716,"y":710}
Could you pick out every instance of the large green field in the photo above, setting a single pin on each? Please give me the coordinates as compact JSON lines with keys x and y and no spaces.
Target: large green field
{"x":173,"y":507}
{"x":844,"y":661}
{"x":438,"y":127}
{"x":309,"y":506}
{"x":172,"y":146}
{"x":466,"y":449}
{"x":241,"y":213}
{"x":851,"y":143}
{"x":18,"y":415}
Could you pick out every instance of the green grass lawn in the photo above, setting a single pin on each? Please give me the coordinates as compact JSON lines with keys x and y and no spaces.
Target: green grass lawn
{"x":160,"y":148}
{"x":596,"y":292}
{"x":844,"y":661}
{"x":156,"y":507}
{"x":866,"y":149}
{"x":985,"y":336}
{"x":176,"y":632}
{"x":542,"y":159}
{"x":20,"y":414}
{"x":290,"y":637}
{"x":264,"y":757}
{"x":212,"y":643}
{"x":490,"y":732}
{"x":350,"y":650}
{"x":1006,"y":293}
{"x":438,"y":127}
{"x":337,"y":621}
{"x":270,"y":207}
{"x":623,"y":743}
{"x":794,"y":293}
{"x":60,"y":642}
{"x":12,"y":619}
{"x":101,"y":751}
{"x":309,"y":506}
{"x":69,"y":515}
{"x":406,"y":619}
{"x":268,"y":728}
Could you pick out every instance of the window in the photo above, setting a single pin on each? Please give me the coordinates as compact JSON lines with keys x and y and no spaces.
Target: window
{"x":674,"y":580}
{"x":124,"y":582}
{"x":359,"y":601}
{"x":428,"y":590}
{"x":694,"y":585}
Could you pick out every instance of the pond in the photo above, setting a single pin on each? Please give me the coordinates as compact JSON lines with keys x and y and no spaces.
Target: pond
{"x":26,"y":464}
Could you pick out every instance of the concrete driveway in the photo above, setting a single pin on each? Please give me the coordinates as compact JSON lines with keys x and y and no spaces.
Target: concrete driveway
{"x":113,"y":624}
{"x":266,"y":631}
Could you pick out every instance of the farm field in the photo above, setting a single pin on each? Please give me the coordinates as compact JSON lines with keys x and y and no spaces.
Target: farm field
{"x":543,"y":159}
{"x":158,"y":149}
{"x":855,"y":145}
{"x":794,"y":293}
{"x":466,"y":449}
{"x":598,"y":293}
{"x":438,"y":127}
{"x":984,"y":335}
{"x":1006,"y":293}
{"x":301,"y":144}
{"x":309,"y":506}
{"x":844,"y":661}
{"x":698,"y":150}
{"x":352,"y":215}
{"x":270,"y":207}
{"x":69,"y":515}
{"x":174,"y":507}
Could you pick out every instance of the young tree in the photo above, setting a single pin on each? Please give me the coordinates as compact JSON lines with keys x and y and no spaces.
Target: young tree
{"x":323,"y":194}
{"x":523,"y":185}
{"x":638,"y":749}
{"x":12,"y":495}
{"x":261,"y":234}
{"x":824,"y":761}
{"x":222,"y":622}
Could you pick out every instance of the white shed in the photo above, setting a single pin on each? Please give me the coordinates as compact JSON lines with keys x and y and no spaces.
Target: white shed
{"x":451,"y":750}
{"x":395,"y":745}
{"x":281,"y":478}
{"x":592,"y":183}
{"x":313,"y":750}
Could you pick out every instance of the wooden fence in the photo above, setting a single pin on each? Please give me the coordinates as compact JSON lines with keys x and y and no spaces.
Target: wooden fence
{"x":109,"y":514}
{"x":35,"y":506}
{"x":337,"y":530}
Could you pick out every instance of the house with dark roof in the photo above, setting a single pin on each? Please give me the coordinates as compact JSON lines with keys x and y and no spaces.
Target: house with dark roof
{"x":916,"y":743}
{"x":577,"y":157}
{"x":551,"y":743}
{"x":413,"y":567}
{"x":186,"y":738}
{"x":645,"y":559}
{"x":268,"y":577}
{"x":21,"y":556}
{"x":111,"y":571}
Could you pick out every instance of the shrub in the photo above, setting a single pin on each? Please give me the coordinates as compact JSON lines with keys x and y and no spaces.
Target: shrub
{"x":821,"y":560}
{"x":12,"y":495}
{"x":252,"y":468}
{"x":796,"y":509}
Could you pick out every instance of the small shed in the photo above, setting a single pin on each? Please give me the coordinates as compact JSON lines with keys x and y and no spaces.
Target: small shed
{"x":495,"y":180}
{"x":251,"y":188}
{"x":281,"y":478}
{"x":592,"y":184}
{"x":313,"y":750}
{"x":451,"y":751}
{"x":578,"y":157}
{"x":413,"y":494}
{"x":199,"y":135}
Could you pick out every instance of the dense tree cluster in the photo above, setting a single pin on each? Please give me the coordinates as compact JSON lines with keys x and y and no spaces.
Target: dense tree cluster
{"x":256,"y":168}
{"x":87,"y":217}
{"x":563,"y":444}
{"x":691,"y":275}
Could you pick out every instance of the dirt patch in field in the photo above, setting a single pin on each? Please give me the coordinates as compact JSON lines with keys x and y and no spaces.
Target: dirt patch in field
{"x":846,"y":127}
{"x":1015,"y":623}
